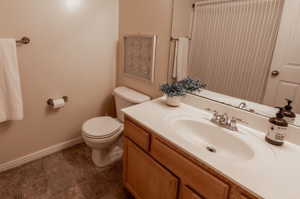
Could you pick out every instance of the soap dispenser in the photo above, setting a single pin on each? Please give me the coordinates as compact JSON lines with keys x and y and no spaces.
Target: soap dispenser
{"x":277,"y":130}
{"x":288,"y":114}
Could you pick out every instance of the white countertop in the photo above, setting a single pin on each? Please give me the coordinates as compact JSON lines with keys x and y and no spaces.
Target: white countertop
{"x":274,"y":173}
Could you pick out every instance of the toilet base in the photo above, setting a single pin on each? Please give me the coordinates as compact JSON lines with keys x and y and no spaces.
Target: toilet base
{"x":106,"y":157}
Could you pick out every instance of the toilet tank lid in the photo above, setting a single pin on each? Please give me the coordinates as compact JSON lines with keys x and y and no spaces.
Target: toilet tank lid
{"x":130,"y":95}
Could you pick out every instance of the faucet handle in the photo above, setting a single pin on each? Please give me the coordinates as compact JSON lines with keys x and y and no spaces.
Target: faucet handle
{"x":216,"y":117}
{"x":232,"y":125}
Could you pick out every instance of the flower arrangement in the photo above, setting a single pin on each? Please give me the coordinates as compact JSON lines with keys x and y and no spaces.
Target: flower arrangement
{"x":190,"y":85}
{"x":176,"y":90}
{"x":182,"y":87}
{"x":173,"y":89}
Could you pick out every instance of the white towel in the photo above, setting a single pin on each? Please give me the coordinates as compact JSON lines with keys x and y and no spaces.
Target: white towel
{"x":180,"y":68}
{"x":11,"y":103}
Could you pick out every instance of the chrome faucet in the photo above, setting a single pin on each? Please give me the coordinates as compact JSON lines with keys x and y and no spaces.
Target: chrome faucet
{"x":224,"y":121}
{"x":243,"y":105}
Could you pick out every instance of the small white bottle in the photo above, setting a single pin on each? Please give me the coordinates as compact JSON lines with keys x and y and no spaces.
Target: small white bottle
{"x":277,"y":130}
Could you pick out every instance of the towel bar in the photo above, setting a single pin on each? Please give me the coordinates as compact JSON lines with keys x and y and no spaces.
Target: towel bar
{"x":23,"y":40}
{"x":176,"y":39}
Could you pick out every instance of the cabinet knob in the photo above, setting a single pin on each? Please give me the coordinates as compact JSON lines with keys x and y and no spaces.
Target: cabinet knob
{"x":275,"y":73}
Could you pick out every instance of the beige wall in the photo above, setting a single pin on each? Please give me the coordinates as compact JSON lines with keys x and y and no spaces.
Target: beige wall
{"x":72,"y":53}
{"x":150,"y":17}
{"x":182,"y":18}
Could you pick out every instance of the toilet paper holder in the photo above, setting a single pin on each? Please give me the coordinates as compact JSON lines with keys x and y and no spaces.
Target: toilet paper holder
{"x":50,"y":101}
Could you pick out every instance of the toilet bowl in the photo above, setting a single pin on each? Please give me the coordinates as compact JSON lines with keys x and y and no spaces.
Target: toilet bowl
{"x":103,"y":134}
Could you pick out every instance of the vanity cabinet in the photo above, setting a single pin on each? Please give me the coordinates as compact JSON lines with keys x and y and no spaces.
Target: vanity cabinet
{"x":156,"y":168}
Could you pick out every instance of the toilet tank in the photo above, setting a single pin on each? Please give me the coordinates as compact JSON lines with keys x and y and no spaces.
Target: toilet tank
{"x":125,"y":97}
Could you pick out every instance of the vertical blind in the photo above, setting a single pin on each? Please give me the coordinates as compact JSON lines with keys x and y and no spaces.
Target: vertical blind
{"x":232,"y":45}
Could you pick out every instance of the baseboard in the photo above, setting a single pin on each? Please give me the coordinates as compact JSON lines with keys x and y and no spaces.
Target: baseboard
{"x":39,"y":154}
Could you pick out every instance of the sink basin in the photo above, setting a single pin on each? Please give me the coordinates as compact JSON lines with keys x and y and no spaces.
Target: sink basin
{"x":203,"y":135}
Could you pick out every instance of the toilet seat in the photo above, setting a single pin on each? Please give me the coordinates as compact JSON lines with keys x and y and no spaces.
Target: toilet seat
{"x":101,"y":127}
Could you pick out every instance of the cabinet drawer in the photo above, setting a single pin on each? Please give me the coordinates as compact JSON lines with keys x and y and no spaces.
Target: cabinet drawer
{"x":137,"y":135}
{"x":187,"y":193}
{"x":200,"y":180}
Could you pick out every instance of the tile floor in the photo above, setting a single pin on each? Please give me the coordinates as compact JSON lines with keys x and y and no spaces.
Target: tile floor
{"x":69,"y":174}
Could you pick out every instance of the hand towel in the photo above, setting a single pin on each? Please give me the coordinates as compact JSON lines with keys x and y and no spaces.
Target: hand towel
{"x":180,"y":69}
{"x":11,"y":103}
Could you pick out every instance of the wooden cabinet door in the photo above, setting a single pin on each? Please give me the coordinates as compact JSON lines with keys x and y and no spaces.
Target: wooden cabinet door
{"x":145,"y":178}
{"x":203,"y":182}
{"x":187,"y":193}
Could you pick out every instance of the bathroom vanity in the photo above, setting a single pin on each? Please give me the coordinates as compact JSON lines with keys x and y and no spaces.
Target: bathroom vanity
{"x":156,"y":168}
{"x":174,"y":153}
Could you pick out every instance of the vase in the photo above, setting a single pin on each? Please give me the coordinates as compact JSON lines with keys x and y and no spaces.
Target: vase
{"x":174,"y":101}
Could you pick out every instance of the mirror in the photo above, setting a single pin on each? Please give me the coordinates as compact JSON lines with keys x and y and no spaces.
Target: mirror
{"x":246,"y":51}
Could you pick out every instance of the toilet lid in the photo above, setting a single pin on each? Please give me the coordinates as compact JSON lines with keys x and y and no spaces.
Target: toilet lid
{"x":101,"y":127}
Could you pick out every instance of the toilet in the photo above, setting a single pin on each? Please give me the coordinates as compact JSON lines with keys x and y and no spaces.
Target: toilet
{"x":102,"y":134}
